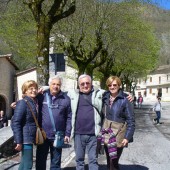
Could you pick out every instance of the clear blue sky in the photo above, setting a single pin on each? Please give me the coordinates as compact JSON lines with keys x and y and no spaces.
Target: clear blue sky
{"x":165,"y":4}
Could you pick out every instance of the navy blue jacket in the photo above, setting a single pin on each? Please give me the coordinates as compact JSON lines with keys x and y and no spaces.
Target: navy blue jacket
{"x":23,"y":124}
{"x":121,"y":111}
{"x":61,"y":110}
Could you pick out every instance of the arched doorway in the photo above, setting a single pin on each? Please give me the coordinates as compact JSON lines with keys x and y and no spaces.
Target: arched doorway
{"x":2,"y":104}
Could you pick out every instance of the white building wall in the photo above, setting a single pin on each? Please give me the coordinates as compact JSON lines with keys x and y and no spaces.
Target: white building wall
{"x":23,"y":78}
{"x":159,"y":81}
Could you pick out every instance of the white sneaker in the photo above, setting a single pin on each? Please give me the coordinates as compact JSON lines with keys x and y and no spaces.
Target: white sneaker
{"x":154,"y":121}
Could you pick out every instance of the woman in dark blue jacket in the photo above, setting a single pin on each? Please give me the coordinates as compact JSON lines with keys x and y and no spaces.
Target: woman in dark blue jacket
{"x":117,"y":108}
{"x":23,"y":124}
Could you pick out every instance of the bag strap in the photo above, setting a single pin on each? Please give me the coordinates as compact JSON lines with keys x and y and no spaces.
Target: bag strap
{"x":50,"y":112}
{"x":36,"y":122}
{"x":120,"y":127}
{"x":85,"y":97}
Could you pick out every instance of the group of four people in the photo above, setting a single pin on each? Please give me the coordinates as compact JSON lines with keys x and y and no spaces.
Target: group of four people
{"x":78,"y":113}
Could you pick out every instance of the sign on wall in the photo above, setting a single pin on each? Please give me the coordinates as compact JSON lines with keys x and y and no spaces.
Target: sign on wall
{"x":56,"y":62}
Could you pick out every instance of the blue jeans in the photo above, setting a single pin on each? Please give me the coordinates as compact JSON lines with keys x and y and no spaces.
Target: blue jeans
{"x":42,"y":153}
{"x":83,"y":143}
{"x":27,"y":157}
{"x":158,"y":113}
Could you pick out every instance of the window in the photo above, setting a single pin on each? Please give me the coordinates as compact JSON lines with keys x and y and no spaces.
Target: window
{"x":150,"y":91}
{"x":150,"y":79}
{"x":159,"y":80}
{"x":166,"y":89}
{"x":145,"y":80}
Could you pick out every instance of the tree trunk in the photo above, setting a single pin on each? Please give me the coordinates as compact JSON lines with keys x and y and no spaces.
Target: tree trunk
{"x":103,"y":83}
{"x":43,"y":35}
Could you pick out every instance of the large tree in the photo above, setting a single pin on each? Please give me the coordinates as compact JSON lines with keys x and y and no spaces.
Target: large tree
{"x":124,"y":42}
{"x":81,"y":35}
{"x":46,"y":14}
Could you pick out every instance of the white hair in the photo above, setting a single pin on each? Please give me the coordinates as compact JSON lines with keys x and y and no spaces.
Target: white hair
{"x":57,"y":77}
{"x":83,"y":76}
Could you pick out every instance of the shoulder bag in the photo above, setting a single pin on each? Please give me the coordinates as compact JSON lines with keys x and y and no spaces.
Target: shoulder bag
{"x":59,"y":135}
{"x":40,"y":133}
{"x":119,"y":129}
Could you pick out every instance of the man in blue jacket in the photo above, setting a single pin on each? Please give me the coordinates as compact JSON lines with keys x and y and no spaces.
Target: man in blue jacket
{"x":59,"y":104}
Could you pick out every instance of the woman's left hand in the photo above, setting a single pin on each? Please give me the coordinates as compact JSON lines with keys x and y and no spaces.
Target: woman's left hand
{"x":18,"y":147}
{"x":125,"y":142}
{"x":129,"y":97}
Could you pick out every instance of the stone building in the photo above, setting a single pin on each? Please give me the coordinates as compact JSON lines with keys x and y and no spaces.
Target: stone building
{"x":156,"y":84}
{"x":7,"y":78}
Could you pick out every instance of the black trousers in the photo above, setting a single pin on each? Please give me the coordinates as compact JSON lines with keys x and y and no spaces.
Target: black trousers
{"x":113,"y":164}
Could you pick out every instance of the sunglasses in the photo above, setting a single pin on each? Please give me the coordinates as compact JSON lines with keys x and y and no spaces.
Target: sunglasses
{"x":84,"y":83}
{"x":114,"y":85}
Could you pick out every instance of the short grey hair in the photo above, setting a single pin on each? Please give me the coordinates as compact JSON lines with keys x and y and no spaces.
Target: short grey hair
{"x":83,"y":76}
{"x":57,"y":77}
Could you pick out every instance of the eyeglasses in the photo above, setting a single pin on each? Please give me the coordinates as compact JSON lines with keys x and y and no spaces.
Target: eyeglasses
{"x":84,"y":83}
{"x":114,"y":85}
{"x":32,"y":88}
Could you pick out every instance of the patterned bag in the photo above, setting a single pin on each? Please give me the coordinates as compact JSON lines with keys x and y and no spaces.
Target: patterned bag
{"x":119,"y":129}
{"x":111,"y":144}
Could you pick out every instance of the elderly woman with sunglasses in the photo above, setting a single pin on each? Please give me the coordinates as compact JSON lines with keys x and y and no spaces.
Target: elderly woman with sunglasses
{"x":117,"y":108}
{"x":23,"y":124}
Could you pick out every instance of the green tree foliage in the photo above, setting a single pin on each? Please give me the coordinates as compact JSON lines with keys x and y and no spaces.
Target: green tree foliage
{"x":126,"y":43}
{"x":160,"y":20}
{"x":81,"y":36}
{"x":102,"y":38}
{"x":18,"y":34}
{"x":45,"y":14}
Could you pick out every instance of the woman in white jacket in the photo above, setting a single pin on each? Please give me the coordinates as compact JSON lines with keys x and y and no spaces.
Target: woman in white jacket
{"x":157,"y":108}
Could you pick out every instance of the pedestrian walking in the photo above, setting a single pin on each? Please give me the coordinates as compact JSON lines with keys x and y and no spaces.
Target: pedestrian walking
{"x":157,"y":108}
{"x":3,"y":119}
{"x":140,"y":101}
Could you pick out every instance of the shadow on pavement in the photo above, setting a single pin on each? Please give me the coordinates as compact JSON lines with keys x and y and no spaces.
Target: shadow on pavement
{"x":101,"y":167}
{"x":133,"y":167}
{"x":122,"y":167}
{"x":67,"y":146}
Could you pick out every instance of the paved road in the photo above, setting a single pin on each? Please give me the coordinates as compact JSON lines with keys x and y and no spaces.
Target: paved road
{"x":151,"y":147}
{"x":149,"y":151}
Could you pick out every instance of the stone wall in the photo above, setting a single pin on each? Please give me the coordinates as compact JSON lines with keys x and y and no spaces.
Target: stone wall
{"x":7,"y":74}
{"x":7,"y":144}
